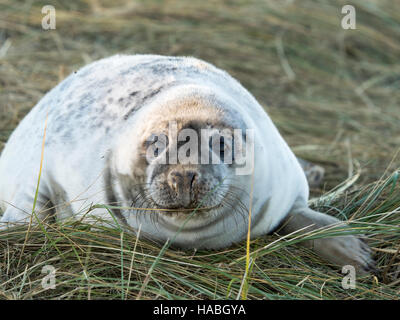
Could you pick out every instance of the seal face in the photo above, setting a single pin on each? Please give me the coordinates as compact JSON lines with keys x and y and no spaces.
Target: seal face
{"x":172,"y":145}
{"x":184,"y":165}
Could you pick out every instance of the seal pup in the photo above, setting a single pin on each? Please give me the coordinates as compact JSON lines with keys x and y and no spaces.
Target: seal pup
{"x":103,"y":120}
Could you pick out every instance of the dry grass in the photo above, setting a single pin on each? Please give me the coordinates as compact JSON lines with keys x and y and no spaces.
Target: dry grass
{"x":333,"y":93}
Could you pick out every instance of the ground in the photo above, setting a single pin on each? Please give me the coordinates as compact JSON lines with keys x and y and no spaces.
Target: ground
{"x":333,"y":94}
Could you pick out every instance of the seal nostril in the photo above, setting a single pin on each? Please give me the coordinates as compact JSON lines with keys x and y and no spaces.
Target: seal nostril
{"x":174,"y":184}
{"x":192,"y":177}
{"x":175,"y":180}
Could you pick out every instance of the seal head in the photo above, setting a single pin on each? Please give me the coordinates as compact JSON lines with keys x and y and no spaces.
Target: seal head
{"x":182,"y":175}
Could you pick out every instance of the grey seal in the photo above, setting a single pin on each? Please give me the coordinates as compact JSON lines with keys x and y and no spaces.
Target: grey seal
{"x":103,"y":119}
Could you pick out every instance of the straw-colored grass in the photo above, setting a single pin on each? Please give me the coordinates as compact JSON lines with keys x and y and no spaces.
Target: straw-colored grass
{"x":333,"y":93}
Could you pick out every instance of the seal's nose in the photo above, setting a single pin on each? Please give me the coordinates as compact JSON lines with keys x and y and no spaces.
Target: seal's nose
{"x":182,"y":183}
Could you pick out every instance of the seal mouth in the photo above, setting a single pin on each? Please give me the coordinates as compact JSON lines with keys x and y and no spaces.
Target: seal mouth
{"x":184,"y":211}
{"x":174,"y":210}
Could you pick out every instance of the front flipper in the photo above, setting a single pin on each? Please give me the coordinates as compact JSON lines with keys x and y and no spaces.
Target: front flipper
{"x":20,"y":211}
{"x":339,"y":250}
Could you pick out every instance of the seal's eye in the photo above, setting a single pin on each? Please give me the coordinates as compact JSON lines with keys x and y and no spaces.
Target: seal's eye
{"x":224,"y":147}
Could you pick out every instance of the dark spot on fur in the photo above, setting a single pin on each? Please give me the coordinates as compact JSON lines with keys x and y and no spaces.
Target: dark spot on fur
{"x":144,"y":99}
{"x":162,"y":68}
{"x":152,"y":94}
